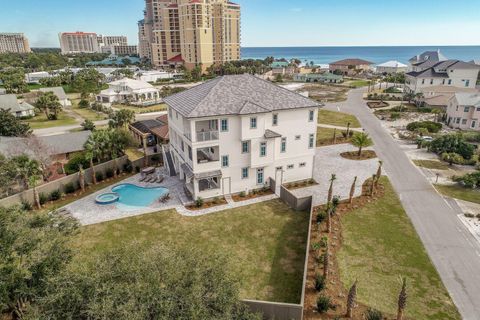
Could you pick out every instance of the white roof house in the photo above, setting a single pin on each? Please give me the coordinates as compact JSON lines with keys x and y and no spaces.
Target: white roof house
{"x":60,"y":93}
{"x":130,"y":91}
{"x":391,"y":67}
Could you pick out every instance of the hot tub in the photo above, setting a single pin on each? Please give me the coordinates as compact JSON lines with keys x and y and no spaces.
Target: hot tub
{"x":107,"y":198}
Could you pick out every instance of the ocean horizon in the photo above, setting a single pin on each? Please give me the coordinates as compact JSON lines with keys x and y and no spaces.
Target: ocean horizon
{"x":375,"y":54}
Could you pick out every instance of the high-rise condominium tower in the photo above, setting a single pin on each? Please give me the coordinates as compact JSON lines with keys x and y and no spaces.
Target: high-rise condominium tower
{"x":14,"y":42}
{"x":192,"y":32}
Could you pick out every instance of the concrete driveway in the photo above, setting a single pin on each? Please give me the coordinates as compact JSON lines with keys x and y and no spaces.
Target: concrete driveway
{"x":327,"y":162}
{"x":452,"y":248}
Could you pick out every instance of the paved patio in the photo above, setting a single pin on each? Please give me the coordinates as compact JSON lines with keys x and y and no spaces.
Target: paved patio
{"x":327,"y":162}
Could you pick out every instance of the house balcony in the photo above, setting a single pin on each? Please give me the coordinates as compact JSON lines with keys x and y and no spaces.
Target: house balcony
{"x":203,"y":136}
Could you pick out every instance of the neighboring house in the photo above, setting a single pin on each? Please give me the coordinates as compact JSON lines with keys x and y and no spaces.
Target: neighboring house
{"x":154,"y":76}
{"x":454,"y":73}
{"x":475,"y":61}
{"x":60,"y":93}
{"x":35,"y":77}
{"x":114,"y":60}
{"x":151,"y":132}
{"x":463,"y":111}
{"x":439,"y":96}
{"x":326,"y":77}
{"x":130,"y":91}
{"x":279,"y":64}
{"x":390,"y":67}
{"x":431,"y":56}
{"x":231,"y":134}
{"x":350,"y":67}
{"x":60,"y":147}
{"x":289,"y":70}
{"x":18,"y":109}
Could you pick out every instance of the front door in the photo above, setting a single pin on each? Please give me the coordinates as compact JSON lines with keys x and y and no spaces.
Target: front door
{"x":226,"y":186}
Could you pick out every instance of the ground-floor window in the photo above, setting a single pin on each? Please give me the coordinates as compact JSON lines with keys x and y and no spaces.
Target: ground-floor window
{"x":260,"y":177}
{"x":244,"y":173}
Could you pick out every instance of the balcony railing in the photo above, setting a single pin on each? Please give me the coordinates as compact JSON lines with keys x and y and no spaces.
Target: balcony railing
{"x":207,"y":136}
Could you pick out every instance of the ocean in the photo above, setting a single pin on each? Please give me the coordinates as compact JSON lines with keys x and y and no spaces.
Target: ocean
{"x":326,"y":55}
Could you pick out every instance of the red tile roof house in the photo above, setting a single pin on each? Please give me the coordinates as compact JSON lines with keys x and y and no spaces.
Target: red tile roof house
{"x":350,"y":67}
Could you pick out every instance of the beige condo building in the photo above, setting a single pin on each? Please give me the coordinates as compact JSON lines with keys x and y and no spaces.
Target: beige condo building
{"x":190,"y":32}
{"x":14,"y":43}
{"x":78,"y":42}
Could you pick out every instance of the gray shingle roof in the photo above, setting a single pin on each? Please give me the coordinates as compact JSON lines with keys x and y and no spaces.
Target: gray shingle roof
{"x":269,"y":134}
{"x":56,"y":144}
{"x":236,"y":94}
{"x":9,"y":101}
{"x":428,"y":73}
{"x":58,"y":91}
{"x":429,"y":55}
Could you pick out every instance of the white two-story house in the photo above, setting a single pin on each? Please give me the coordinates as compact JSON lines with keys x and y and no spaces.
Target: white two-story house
{"x":432,"y":73}
{"x":231,"y":134}
{"x":463,"y":111}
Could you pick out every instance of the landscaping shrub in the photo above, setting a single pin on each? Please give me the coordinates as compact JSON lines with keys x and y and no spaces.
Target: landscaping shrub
{"x":373,"y":314}
{"x":321,"y":216}
{"x":109,"y":173}
{"x":323,"y":304}
{"x":70,"y":188}
{"x":242,"y":194}
{"x":55,"y":195}
{"x":83,"y":104}
{"x":452,"y":143}
{"x":216,"y":200}
{"x":137,"y":169}
{"x":199,"y":202}
{"x":319,"y":282}
{"x":73,"y":165}
{"x":395,"y":116}
{"x":128,"y":168}
{"x":452,"y":158}
{"x":26,"y":206}
{"x":432,"y":127}
{"x":43,"y":198}
{"x":99,"y":176}
{"x":469,"y":180}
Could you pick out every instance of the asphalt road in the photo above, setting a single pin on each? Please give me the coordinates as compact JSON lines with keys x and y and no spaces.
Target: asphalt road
{"x":453,"y":250}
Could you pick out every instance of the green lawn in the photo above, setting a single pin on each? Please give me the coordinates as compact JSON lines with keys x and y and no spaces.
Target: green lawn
{"x":337,"y":119}
{"x":267,"y":241}
{"x":87,"y":113}
{"x":154,"y":108}
{"x":458,"y":192}
{"x":40,"y":121}
{"x":357,"y":83}
{"x":431,"y":164}
{"x":379,"y":246}
{"x":134,"y":154}
{"x":325,"y":136}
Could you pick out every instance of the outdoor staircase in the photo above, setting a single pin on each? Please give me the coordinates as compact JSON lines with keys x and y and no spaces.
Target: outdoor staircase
{"x":171,"y":167}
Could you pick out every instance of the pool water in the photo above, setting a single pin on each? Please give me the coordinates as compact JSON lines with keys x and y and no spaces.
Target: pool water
{"x":132,"y":196}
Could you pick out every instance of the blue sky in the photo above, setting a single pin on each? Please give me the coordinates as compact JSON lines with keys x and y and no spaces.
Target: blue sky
{"x":267,"y":22}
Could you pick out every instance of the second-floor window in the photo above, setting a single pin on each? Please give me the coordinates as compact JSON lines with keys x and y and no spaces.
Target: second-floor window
{"x":245,"y":147}
{"x":263,"y":149}
{"x":466,"y":109}
{"x":275,"y":119}
{"x":311,"y":115}
{"x":311,"y":140}
{"x":283,"y":146}
{"x":449,"y":81}
{"x":253,"y":123}
{"x":467,"y":83}
{"x":225,"y":161}
{"x":224,"y":125}
{"x":189,"y":152}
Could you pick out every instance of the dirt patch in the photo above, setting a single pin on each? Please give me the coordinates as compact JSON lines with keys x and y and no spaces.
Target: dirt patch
{"x":377,"y":104}
{"x":252,"y":195}
{"x":326,"y":93}
{"x":300,"y":184}
{"x":207,"y":204}
{"x":353,"y":155}
{"x":334,"y":288}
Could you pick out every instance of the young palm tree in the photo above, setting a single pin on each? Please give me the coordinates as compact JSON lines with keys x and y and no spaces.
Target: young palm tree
{"x":372,"y":185}
{"x":352,"y":190}
{"x":81,"y":177}
{"x":330,"y":190}
{"x":352,"y":297}
{"x":26,"y":168}
{"x":93,"y":151}
{"x":402,"y":300}
{"x":334,"y":141}
{"x":47,"y":102}
{"x":329,"y":218}
{"x":36,"y":197}
{"x":326,"y":262}
{"x":361,"y":140}
{"x":379,"y":172}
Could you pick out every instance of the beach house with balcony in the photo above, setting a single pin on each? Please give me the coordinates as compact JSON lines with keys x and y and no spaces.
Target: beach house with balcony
{"x":463,"y":111}
{"x":231,"y":134}
{"x":130,"y":91}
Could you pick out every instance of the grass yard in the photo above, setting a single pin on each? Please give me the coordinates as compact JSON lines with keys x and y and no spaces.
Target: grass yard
{"x":458,"y":192}
{"x":266,"y":242}
{"x":357,"y":83}
{"x":431,"y":164}
{"x":87,"y":113}
{"x":40,"y":121}
{"x":325,"y":137}
{"x":379,"y":246}
{"x":134,"y":154}
{"x":154,"y":108}
{"x":335,"y":118}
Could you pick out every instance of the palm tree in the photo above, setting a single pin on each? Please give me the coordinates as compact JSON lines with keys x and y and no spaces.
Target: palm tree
{"x":379,"y":172}
{"x":81,"y":177}
{"x":26,"y":168}
{"x":326,"y":262}
{"x":402,"y":299}
{"x":93,"y":151}
{"x":361,"y":140}
{"x":352,"y":296}
{"x":36,"y":197}
{"x":47,"y":102}
{"x":352,"y":190}
{"x":329,"y":218}
{"x":330,"y":190}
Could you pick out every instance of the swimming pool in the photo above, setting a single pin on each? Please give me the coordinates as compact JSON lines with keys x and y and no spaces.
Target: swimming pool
{"x":131,"y":196}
